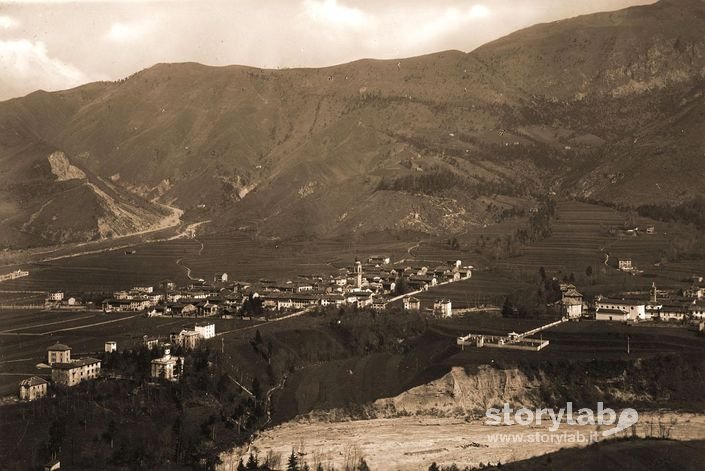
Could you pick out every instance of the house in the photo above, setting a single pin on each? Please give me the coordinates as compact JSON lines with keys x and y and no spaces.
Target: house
{"x":167,"y":367}
{"x":33,"y":388}
{"x":412,"y":304}
{"x":206,"y":330}
{"x":117,"y":305}
{"x":651,"y":229}
{"x":332,"y":300}
{"x":635,"y":309}
{"x":443,"y":308}
{"x":59,"y":353}
{"x":110,"y":346}
{"x":673,"y":311}
{"x":454,"y":263}
{"x":625,"y":264}
{"x":151,"y":342}
{"x":697,"y":311}
{"x":695,"y":292}
{"x":378,"y":260}
{"x":379,"y":303}
{"x":72,"y":373}
{"x":572,"y":303}
{"x":189,"y":339}
{"x":56,"y":296}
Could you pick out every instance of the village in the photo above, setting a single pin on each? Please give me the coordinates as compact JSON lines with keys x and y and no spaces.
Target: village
{"x":375,"y":285}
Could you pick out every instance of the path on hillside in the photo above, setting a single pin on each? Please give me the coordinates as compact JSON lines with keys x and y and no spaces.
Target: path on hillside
{"x":48,"y":323}
{"x":265,"y":323}
{"x":85,"y":326}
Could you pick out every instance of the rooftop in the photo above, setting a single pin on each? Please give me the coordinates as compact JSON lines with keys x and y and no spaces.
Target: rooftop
{"x":58,"y":347}
{"x":33,"y":381}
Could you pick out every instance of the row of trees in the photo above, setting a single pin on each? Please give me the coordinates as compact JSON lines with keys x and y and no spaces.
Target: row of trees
{"x":297,"y":462}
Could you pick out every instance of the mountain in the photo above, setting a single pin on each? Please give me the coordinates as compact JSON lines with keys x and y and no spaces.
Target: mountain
{"x":608,"y":106}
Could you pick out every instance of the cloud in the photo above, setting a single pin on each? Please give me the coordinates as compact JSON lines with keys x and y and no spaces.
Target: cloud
{"x":26,"y":66}
{"x":479,"y":11}
{"x":332,"y":13}
{"x":131,"y":31}
{"x":8,"y":22}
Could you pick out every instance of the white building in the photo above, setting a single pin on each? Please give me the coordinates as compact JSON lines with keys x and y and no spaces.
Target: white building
{"x":635,"y":309}
{"x":167,"y":367}
{"x":58,"y":353}
{"x":110,"y":346}
{"x":72,"y":373}
{"x":56,"y":296}
{"x":443,"y":308}
{"x":206,"y":330}
{"x":625,"y":264}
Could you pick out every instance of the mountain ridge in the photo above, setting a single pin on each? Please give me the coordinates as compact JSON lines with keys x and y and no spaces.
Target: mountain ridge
{"x":594,"y":106}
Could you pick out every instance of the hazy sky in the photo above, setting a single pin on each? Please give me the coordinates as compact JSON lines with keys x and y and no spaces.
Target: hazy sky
{"x":58,"y":44}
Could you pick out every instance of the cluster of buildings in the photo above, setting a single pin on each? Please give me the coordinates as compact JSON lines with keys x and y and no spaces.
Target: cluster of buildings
{"x":14,"y":275}
{"x":371,"y":284}
{"x":688,"y":304}
{"x":67,"y":371}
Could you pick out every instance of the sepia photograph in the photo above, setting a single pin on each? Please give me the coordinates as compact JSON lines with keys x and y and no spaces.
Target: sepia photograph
{"x":352,"y":235}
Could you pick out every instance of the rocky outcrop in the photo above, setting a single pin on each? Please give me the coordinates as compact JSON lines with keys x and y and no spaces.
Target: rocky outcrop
{"x":464,"y":393}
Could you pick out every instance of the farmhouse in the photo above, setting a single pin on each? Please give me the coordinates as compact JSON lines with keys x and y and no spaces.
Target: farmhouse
{"x":33,"y":388}
{"x":110,"y":346}
{"x":58,"y":353}
{"x":55,"y":296}
{"x":72,"y":373}
{"x":443,"y":308}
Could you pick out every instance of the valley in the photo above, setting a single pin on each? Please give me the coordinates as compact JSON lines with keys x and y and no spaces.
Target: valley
{"x":204,"y":266}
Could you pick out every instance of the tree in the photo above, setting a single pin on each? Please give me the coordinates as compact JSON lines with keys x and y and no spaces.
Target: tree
{"x":362,"y":466}
{"x":588,"y":271}
{"x":542,"y":273}
{"x":293,"y":462}
{"x":434,"y":467}
{"x":507,"y":308}
{"x":252,"y":462}
{"x":241,"y":466}
{"x":400,"y":286}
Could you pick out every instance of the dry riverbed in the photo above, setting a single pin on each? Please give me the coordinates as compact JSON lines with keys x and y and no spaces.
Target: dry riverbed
{"x":412,"y":443}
